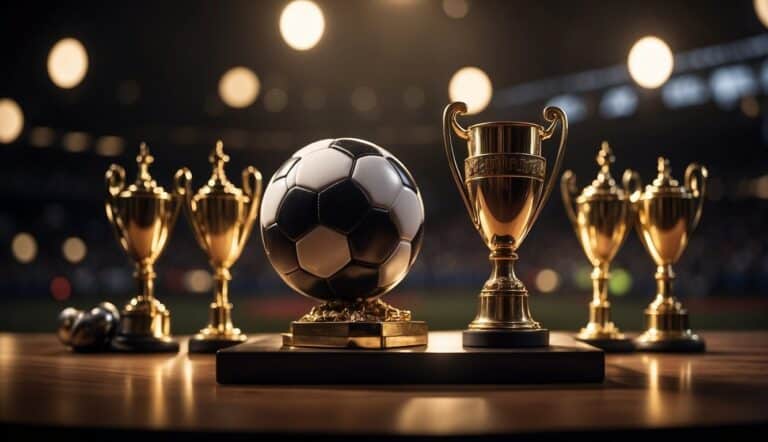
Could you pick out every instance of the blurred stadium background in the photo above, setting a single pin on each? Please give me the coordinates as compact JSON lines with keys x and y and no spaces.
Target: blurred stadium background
{"x":82,"y":84}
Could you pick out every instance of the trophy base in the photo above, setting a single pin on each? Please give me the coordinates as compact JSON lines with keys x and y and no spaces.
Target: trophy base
{"x":506,"y":338}
{"x":362,"y":335}
{"x":211,"y":344}
{"x":672,"y":343}
{"x":143,"y":344}
{"x":609,"y":345}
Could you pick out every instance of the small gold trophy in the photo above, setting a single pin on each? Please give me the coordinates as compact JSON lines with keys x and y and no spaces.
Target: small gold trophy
{"x":601,"y":215}
{"x":222,"y":217}
{"x":667,"y":214}
{"x":504,"y":188}
{"x":143,"y":216}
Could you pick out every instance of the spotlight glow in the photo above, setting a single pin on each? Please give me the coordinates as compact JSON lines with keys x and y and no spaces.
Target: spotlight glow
{"x":239,"y":87}
{"x":67,"y":63}
{"x":650,"y":62}
{"x":472,"y":86}
{"x":11,"y":120}
{"x":302,"y":24}
{"x":74,"y":250}
{"x":547,"y":281}
{"x":761,"y":9}
{"x":455,"y":8}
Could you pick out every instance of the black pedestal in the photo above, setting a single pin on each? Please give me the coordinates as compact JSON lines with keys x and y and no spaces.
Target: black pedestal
{"x":143,"y":344}
{"x":624,"y":345}
{"x":506,"y":338}
{"x":263,"y":360}
{"x":210,"y":345}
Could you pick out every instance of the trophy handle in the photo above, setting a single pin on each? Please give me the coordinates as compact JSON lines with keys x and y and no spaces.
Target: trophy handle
{"x":182,"y":182}
{"x":633,"y":184}
{"x":568,"y":190}
{"x":552,"y":114}
{"x":696,"y":182}
{"x":449,"y":123}
{"x":115,"y":180}
{"x":253,"y":188}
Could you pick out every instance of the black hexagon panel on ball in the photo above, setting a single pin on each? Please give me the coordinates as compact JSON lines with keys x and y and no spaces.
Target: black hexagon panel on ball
{"x":342,"y":222}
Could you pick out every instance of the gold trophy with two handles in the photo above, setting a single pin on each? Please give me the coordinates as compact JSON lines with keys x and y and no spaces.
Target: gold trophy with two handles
{"x":602,"y":214}
{"x":504,"y":188}
{"x":667,"y":214}
{"x":143,"y":216}
{"x":222,"y":218}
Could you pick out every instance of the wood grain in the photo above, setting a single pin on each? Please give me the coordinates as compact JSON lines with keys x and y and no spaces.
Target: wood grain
{"x":42,"y":383}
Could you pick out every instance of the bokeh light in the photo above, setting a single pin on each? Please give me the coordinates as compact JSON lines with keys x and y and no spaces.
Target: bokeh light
{"x":41,"y":136}
{"x":11,"y":120}
{"x":363,"y":99}
{"x":74,"y":249}
{"x":582,"y":278}
{"x":472,"y":86}
{"x":239,"y":87}
{"x":761,"y":9}
{"x":413,"y":97}
{"x":547,"y":281}
{"x":24,"y":247}
{"x":456,"y":8}
{"x":76,"y":141}
{"x":67,"y":63}
{"x":650,"y":62}
{"x":110,"y":146}
{"x":275,"y":100}
{"x":302,"y":24}
{"x":61,"y":289}
{"x":620,"y":283}
{"x":198,"y":281}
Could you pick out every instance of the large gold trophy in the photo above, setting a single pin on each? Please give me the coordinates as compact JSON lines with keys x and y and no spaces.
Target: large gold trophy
{"x":667,"y":214}
{"x":221,"y":217}
{"x":143,"y":216}
{"x":601,"y":215}
{"x":504,"y":188}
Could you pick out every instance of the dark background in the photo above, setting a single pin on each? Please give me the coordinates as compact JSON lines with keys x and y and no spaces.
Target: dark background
{"x":153,"y":75}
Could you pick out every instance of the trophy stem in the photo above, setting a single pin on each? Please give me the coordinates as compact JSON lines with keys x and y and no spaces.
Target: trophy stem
{"x":600,"y":330}
{"x":219,"y":333}
{"x":145,"y":277}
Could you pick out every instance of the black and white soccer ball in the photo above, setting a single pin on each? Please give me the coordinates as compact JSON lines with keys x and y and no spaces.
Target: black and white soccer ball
{"x":342,"y":219}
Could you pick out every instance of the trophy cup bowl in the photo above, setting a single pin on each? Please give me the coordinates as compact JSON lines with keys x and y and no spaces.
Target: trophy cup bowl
{"x":601,"y":215}
{"x":667,"y":215}
{"x":143,"y":216}
{"x":221,"y":217}
{"x":504,"y":188}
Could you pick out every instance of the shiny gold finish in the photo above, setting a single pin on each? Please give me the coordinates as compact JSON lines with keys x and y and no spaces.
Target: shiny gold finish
{"x":221,"y":217}
{"x":350,"y":334}
{"x":667,"y":214}
{"x":143,"y":216}
{"x":602,"y":215}
{"x":504,"y":190}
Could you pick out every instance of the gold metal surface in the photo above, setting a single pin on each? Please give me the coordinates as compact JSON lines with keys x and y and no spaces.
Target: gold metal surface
{"x":222,"y":217}
{"x":601,"y":214}
{"x":143,"y":216}
{"x":355,"y":334}
{"x":667,"y":214}
{"x":504,"y":188}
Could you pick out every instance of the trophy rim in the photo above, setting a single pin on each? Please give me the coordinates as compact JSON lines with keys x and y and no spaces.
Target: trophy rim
{"x":506,"y":153}
{"x":132,"y":194}
{"x":508,"y":123}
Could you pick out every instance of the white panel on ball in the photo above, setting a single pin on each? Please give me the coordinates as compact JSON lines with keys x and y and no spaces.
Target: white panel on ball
{"x":396,"y":265}
{"x":271,"y":201}
{"x":408,"y":213}
{"x":323,"y":252}
{"x":379,"y":179}
{"x":336,"y":166}
{"x":313,"y":147}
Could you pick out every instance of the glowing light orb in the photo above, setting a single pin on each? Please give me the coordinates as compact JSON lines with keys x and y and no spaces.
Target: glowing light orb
{"x":302,"y":24}
{"x":67,"y":63}
{"x":761,"y":9}
{"x":239,"y":87}
{"x":24,"y":247}
{"x":456,"y":8}
{"x":650,"y":62}
{"x":472,"y":86}
{"x":11,"y":120}
{"x":74,"y":249}
{"x":547,"y":280}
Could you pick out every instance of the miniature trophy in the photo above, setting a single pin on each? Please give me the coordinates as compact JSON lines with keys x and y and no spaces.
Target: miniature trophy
{"x":143,"y":216}
{"x":221,"y":217}
{"x":667,"y":214}
{"x":504,"y":188}
{"x":602,"y":215}
{"x":342,"y":223}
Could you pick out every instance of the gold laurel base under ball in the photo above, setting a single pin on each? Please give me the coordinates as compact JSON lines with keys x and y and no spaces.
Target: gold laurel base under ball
{"x":365,"y":325}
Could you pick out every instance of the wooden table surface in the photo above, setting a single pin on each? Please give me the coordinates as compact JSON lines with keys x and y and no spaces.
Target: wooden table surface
{"x":44,"y":384}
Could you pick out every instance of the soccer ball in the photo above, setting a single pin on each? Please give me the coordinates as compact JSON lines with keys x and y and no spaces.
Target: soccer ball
{"x":342,"y":219}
